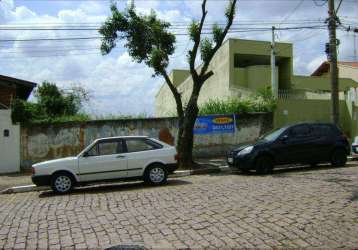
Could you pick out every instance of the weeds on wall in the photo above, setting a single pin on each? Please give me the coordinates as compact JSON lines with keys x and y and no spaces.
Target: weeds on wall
{"x":262,"y":101}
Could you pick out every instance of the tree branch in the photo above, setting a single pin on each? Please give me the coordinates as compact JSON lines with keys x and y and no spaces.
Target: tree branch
{"x":205,"y":66}
{"x":193,"y":53}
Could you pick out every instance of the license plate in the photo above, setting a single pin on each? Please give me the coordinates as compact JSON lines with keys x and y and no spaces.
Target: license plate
{"x":230,"y":160}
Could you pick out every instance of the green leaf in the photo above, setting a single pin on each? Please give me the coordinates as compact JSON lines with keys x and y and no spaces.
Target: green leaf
{"x":206,"y":47}
{"x":142,"y":36}
{"x":193,"y":30}
{"x":217,"y":33}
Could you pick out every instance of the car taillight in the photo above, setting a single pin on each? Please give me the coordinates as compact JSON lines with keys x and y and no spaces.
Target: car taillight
{"x":176,"y":157}
{"x":32,"y":170}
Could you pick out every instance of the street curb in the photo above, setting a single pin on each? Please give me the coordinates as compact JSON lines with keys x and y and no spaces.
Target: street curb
{"x":179,"y":173}
{"x":212,"y":170}
{"x":23,"y":189}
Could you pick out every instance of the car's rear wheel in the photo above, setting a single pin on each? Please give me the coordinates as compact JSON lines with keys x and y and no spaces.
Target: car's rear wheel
{"x":339,"y":158}
{"x":62,"y":182}
{"x":264,"y":165}
{"x":155,"y":174}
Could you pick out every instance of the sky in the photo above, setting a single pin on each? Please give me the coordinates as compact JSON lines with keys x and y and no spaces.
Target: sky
{"x":119,"y":86}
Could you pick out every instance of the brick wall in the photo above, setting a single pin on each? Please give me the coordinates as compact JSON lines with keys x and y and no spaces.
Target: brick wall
{"x":6,"y":94}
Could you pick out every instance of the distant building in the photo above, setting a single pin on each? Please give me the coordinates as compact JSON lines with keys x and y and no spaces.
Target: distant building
{"x":346,"y":69}
{"x":11,"y":88}
{"x":241,"y":67}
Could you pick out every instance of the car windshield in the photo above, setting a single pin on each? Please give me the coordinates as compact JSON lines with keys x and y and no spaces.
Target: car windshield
{"x":273,"y":135}
{"x":356,"y":140}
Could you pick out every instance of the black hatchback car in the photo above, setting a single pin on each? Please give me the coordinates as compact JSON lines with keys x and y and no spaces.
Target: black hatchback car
{"x":305,"y":143}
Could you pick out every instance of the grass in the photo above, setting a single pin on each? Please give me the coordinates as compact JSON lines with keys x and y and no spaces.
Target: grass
{"x":86,"y":117}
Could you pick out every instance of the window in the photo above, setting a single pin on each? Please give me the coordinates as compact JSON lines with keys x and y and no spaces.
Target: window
{"x":93,"y":151}
{"x":6,"y":133}
{"x":135,"y":145}
{"x":321,"y":130}
{"x":109,"y":147}
{"x":274,"y":135}
{"x":300,"y":131}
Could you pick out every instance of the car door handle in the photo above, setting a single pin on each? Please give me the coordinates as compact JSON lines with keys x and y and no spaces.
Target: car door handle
{"x":120,"y":156}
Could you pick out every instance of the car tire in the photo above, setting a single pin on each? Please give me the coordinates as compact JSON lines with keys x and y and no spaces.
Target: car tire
{"x":245,"y":171}
{"x":264,"y":165}
{"x":339,"y":158}
{"x":155,"y":174}
{"x":62,"y":183}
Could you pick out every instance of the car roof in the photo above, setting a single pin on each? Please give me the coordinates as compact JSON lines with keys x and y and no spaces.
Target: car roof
{"x":123,"y":137}
{"x":312,"y":123}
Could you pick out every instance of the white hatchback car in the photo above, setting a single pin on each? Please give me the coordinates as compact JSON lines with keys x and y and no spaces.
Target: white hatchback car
{"x":125,"y":157}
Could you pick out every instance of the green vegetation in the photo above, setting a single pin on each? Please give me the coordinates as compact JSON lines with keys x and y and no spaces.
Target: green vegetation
{"x":52,"y":105}
{"x":121,"y":116}
{"x":261,"y":102}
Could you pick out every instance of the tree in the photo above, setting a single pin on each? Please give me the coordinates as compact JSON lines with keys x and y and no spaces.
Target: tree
{"x":52,"y":102}
{"x":148,"y":40}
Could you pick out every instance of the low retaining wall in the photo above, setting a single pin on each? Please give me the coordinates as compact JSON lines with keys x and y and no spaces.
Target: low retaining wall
{"x":50,"y":141}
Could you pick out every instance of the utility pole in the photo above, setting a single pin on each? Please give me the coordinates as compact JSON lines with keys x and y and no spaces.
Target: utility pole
{"x":355,"y":46}
{"x":332,"y":55}
{"x":274,"y":85}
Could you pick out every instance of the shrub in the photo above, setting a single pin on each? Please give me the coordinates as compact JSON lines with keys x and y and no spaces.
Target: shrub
{"x":260,"y":102}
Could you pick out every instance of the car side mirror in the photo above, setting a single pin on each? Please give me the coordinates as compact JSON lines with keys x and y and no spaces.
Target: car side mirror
{"x":284,"y":138}
{"x":86,"y":154}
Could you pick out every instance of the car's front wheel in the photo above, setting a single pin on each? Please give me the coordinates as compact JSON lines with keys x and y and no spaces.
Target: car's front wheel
{"x":339,"y":158}
{"x":155,"y":175}
{"x":62,"y":183}
{"x":264,"y":165}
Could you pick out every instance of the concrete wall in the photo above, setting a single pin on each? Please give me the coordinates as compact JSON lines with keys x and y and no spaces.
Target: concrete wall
{"x":253,"y":77}
{"x":321,"y":83}
{"x":39,"y":143}
{"x":293,"y":111}
{"x":9,"y":145}
{"x":253,"y":52}
{"x":217,"y":86}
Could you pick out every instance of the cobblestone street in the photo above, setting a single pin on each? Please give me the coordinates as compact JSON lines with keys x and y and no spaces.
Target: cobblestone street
{"x":295,"y":208}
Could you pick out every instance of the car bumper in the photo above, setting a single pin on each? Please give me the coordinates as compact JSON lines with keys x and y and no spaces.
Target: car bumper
{"x":172,"y":167}
{"x":245,"y":162}
{"x":41,"y":180}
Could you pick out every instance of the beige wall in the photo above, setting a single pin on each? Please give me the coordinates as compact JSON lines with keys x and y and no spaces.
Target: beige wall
{"x":348,"y":72}
{"x":9,"y":146}
{"x":217,"y":86}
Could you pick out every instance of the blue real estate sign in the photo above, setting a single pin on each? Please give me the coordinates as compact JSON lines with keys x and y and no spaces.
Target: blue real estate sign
{"x":214,"y":124}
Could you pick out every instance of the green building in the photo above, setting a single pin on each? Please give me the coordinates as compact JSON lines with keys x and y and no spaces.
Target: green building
{"x":241,"y":67}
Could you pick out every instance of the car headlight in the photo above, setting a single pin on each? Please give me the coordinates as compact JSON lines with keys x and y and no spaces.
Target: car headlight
{"x":245,"y":151}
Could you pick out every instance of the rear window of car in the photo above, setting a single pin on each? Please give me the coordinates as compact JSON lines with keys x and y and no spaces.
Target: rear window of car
{"x":325,"y":129}
{"x":300,"y":131}
{"x":136,"y":145}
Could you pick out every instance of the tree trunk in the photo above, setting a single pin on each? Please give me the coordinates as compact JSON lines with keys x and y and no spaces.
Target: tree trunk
{"x":186,"y":140}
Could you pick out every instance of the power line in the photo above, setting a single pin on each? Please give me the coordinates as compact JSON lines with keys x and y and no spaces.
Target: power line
{"x":178,"y":34}
{"x":316,"y":1}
